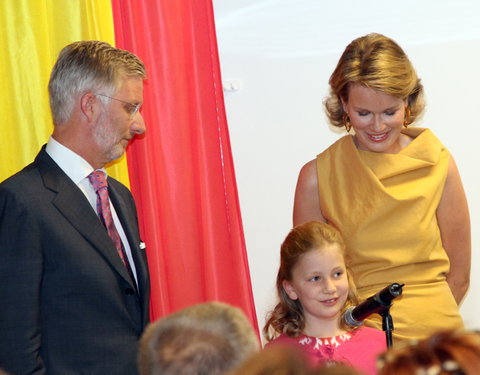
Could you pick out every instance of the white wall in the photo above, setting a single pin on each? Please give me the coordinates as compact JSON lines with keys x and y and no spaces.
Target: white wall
{"x":281,"y":53}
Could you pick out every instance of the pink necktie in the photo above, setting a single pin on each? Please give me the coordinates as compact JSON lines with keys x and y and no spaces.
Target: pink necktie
{"x":98,"y":179}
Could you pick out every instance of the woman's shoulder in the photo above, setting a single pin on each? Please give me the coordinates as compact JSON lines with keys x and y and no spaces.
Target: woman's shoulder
{"x":341,"y":143}
{"x":421,"y":135}
{"x":424,"y":146}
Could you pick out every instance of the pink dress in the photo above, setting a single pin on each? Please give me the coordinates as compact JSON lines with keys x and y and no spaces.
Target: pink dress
{"x":358,"y":348}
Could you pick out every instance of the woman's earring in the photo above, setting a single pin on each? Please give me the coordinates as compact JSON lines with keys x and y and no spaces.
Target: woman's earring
{"x":406,"y":120}
{"x":346,"y":122}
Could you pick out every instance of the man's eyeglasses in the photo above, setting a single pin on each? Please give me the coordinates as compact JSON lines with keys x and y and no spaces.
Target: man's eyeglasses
{"x":132,"y":108}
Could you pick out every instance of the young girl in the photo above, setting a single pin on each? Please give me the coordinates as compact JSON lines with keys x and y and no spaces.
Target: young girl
{"x":315,"y":289}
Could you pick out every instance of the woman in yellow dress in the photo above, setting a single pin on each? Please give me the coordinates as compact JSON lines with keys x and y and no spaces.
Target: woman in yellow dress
{"x":392,"y":190}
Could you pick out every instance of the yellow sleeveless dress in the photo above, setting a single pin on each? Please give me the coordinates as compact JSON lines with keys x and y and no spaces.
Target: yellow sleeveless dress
{"x":385,"y":207}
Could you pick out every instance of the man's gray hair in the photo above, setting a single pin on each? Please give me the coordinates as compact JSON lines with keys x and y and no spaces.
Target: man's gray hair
{"x":88,"y":66}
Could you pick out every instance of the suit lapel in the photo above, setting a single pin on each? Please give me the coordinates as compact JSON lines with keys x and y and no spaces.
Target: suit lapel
{"x":128,"y":219}
{"x":74,"y":206}
{"x":129,"y":224}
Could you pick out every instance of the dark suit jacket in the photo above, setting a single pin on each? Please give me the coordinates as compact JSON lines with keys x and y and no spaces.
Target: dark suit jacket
{"x":67,"y":304}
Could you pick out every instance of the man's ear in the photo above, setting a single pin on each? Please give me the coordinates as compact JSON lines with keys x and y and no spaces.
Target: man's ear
{"x":289,"y":289}
{"x":89,"y":105}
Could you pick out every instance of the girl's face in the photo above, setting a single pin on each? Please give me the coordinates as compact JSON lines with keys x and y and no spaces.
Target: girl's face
{"x":377,"y":119}
{"x":320,"y":283}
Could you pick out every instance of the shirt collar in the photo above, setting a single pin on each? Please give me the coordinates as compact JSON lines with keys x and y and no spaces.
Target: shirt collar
{"x":74,"y":166}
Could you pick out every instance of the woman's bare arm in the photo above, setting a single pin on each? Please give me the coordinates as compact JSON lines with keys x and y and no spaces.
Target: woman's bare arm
{"x":454,"y":223}
{"x":307,"y":203}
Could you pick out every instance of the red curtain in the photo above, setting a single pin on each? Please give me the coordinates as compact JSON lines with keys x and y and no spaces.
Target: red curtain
{"x":181,"y":172}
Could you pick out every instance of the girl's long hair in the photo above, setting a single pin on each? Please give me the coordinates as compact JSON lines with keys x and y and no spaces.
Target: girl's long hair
{"x":287,"y":317}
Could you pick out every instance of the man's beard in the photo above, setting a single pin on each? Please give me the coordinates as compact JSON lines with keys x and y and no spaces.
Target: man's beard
{"x":107,"y":140}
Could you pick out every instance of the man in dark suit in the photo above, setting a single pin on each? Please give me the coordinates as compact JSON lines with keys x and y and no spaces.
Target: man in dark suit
{"x":74,"y":286}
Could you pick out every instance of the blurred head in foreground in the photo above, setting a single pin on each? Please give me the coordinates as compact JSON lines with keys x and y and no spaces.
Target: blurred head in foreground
{"x":208,"y":338}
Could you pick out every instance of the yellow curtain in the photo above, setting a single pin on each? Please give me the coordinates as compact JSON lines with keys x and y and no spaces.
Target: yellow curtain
{"x":32,"y":33}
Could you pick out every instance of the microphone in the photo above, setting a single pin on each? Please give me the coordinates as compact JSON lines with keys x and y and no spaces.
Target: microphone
{"x":378,"y":303}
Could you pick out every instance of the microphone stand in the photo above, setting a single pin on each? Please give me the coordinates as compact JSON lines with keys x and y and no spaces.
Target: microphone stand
{"x":387,"y":325}
{"x":387,"y":321}
{"x":379,"y":303}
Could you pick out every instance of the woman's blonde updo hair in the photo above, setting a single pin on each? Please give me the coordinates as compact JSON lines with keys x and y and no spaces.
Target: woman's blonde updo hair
{"x":377,"y":62}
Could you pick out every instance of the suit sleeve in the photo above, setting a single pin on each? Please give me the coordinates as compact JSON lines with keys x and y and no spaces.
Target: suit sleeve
{"x":21,"y":265}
